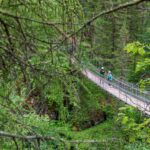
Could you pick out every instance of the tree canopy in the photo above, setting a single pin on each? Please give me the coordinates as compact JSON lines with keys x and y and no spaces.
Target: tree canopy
{"x":44,"y":95}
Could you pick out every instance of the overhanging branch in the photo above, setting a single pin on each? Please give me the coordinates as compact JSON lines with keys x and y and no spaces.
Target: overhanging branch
{"x":32,"y":137}
{"x":119,"y":7}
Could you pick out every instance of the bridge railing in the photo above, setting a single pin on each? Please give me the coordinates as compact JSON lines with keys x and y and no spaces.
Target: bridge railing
{"x":132,"y":90}
{"x":122,"y":85}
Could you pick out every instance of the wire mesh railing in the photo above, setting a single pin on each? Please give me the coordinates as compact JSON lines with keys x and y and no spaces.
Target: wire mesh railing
{"x":129,"y":88}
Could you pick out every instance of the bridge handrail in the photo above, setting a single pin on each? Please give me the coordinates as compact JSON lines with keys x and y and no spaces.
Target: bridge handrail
{"x":122,"y":85}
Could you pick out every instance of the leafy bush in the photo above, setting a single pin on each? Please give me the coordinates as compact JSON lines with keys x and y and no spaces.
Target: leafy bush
{"x":132,"y":125}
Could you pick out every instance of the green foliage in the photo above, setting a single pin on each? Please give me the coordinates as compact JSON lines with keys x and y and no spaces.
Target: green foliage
{"x":143,"y":66}
{"x":90,"y":100}
{"x":142,"y":71}
{"x":145,"y":84}
{"x":136,"y":48}
{"x":136,"y":146}
{"x":104,"y":133}
{"x":43,"y":126}
{"x":132,"y":125}
{"x":37,"y":77}
{"x":31,"y":124}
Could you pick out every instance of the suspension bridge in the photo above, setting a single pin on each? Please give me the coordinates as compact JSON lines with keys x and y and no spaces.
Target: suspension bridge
{"x":124,"y":91}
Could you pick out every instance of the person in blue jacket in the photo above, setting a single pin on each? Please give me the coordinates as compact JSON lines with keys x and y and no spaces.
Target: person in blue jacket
{"x":109,"y":76}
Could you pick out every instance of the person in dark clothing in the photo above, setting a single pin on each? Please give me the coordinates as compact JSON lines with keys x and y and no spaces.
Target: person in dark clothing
{"x":102,"y":71}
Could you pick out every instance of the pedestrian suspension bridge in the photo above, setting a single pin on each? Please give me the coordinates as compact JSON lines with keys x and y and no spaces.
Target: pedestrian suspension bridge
{"x":120,"y":89}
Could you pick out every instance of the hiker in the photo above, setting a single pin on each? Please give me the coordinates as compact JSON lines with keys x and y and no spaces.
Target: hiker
{"x":102,"y":74}
{"x":109,"y":76}
{"x":102,"y":71}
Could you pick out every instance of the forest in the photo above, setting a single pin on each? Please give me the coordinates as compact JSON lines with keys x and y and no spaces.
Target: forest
{"x":56,"y":58}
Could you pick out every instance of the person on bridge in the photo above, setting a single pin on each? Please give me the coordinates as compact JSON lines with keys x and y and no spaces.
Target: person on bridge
{"x":109,"y":76}
{"x":102,"y":71}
